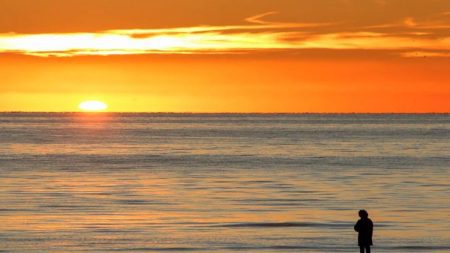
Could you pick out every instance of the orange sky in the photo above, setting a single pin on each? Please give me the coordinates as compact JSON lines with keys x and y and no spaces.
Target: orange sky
{"x":226,"y":56}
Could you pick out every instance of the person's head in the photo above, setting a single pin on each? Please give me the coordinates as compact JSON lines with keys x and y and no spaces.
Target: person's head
{"x":363,"y":213}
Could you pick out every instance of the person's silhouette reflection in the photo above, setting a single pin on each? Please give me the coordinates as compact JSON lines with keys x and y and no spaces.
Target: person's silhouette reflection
{"x":364,"y":227}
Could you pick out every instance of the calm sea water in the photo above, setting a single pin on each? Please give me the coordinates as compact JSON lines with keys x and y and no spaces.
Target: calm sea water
{"x":222,"y":183}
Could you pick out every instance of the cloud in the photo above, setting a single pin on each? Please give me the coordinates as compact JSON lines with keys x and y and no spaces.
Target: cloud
{"x":412,"y":23}
{"x":409,"y":22}
{"x":257,"y":19}
{"x":257,"y":36}
{"x":418,"y":54}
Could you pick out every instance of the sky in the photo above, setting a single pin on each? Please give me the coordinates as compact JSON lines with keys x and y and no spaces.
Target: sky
{"x":266,"y":56}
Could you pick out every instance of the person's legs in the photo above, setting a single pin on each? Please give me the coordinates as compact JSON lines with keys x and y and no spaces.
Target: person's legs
{"x":368,"y":249}
{"x":361,"y":249}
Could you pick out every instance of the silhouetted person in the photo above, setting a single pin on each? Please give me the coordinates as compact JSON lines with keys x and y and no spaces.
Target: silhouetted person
{"x":364,"y":227}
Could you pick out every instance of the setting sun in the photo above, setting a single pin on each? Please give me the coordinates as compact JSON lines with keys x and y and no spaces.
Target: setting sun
{"x":93,"y":106}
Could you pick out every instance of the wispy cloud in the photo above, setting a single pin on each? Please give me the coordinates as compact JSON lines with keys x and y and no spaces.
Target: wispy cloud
{"x":417,"y":54}
{"x":258,"y":35}
{"x":412,"y":23}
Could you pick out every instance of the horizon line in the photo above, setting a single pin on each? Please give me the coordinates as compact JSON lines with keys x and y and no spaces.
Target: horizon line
{"x":162,"y":112}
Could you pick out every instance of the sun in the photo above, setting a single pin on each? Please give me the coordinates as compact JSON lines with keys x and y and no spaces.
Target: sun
{"x":93,"y":106}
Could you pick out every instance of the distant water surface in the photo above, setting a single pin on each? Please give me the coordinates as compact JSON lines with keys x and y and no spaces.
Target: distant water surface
{"x":222,"y":182}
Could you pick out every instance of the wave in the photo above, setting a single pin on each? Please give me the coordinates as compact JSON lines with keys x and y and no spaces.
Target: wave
{"x":160,"y":249}
{"x":285,"y":224}
{"x":339,"y":248}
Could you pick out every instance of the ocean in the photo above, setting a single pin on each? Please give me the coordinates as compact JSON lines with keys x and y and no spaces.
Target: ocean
{"x":73,"y":182}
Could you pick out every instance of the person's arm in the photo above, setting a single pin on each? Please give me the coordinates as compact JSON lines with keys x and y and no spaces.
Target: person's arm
{"x":357,"y":226}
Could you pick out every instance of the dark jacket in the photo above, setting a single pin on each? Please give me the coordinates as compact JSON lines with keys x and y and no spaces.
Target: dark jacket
{"x":364,"y":227}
